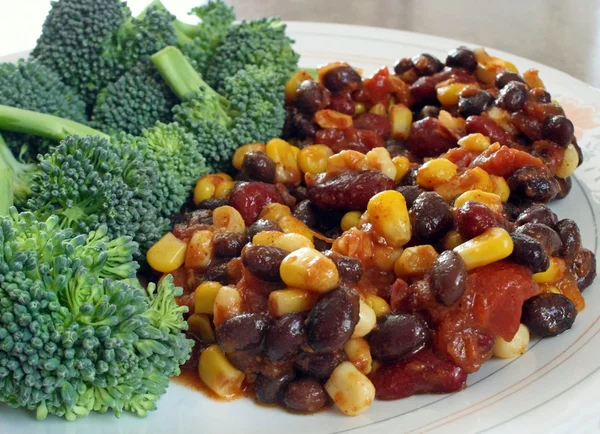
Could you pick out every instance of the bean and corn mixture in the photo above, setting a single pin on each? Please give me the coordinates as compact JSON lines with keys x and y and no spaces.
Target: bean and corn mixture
{"x":394,"y":238}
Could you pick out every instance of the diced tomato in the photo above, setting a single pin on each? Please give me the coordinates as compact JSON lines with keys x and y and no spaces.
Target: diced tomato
{"x":400,"y":296}
{"x":349,"y":139}
{"x":377,"y":87}
{"x":461,"y":157}
{"x":502,"y":161}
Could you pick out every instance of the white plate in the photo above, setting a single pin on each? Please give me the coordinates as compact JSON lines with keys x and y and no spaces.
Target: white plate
{"x":552,"y":387}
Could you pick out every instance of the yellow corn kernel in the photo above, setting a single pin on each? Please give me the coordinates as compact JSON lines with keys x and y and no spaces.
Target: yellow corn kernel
{"x":224,"y":176}
{"x":378,"y":304}
{"x":219,"y":374}
{"x":351,"y":391}
{"x":200,"y":250}
{"x":379,"y":159}
{"x":205,"y":189}
{"x":228,"y":219}
{"x":288,"y":242}
{"x":286,"y":163}
{"x":491,"y":246}
{"x":454,"y":125}
{"x":309,"y":269}
{"x":503,"y":119}
{"x":415,"y":261}
{"x":345,"y":161}
{"x":291,"y":300}
{"x":491,"y":200}
{"x":240,"y":153}
{"x":435,"y":172}
{"x":378,"y":109}
{"x":511,"y":67}
{"x":224,"y":188}
{"x":488,"y":66}
{"x":328,"y":118}
{"x":449,"y":94}
{"x":451,"y":240}
{"x":514,"y":348}
{"x":548,"y":287}
{"x":199,"y":324}
{"x":313,"y":158}
{"x":553,"y":274}
{"x":532,"y":78}
{"x":292,"y":225}
{"x":294,"y":81}
{"x":359,"y":108}
{"x":274,"y":211}
{"x":366,"y":321}
{"x":167,"y":254}
{"x":295,"y":151}
{"x":384,"y":257}
{"x":267,"y":238}
{"x":401,"y":118}
{"x":350,"y":220}
{"x":471,"y":179}
{"x":359,"y":354}
{"x":569,"y":163}
{"x":204,"y":297}
{"x":501,"y":187}
{"x":402,"y":167}
{"x":389,"y":216}
{"x":228,"y":303}
{"x":475,"y":142}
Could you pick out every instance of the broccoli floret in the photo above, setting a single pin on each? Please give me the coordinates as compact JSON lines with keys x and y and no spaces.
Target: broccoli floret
{"x":73,"y":342}
{"x":261,"y":43}
{"x":33,"y":86}
{"x":250,"y":108}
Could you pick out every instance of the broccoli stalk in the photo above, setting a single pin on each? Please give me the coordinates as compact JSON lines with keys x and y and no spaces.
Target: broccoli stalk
{"x":6,"y":187}
{"x":21,"y":175}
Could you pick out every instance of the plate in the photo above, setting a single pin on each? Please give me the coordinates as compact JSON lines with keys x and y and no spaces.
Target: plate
{"x":552,"y":387}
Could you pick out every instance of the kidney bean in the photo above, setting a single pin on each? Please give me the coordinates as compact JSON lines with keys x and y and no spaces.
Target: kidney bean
{"x":258,"y":166}
{"x":244,"y":332}
{"x":426,"y":64}
{"x":538,"y":213}
{"x":348,"y":191}
{"x":505,"y":77}
{"x":341,"y":103}
{"x":269,"y":390}
{"x":529,"y":126}
{"x":584,"y":268}
{"x":548,"y":314}
{"x":424,"y":89}
{"x":545,"y":235}
{"x":462,"y":57}
{"x":350,"y":269}
{"x":429,"y":111}
{"x":410,"y":193}
{"x":305,"y":395}
{"x":558,"y":129}
{"x":487,"y":127}
{"x":286,"y":337}
{"x":448,"y":278}
{"x":342,"y":78}
{"x":429,"y":138}
{"x":512,"y":96}
{"x":373,"y":122}
{"x":319,"y":365}
{"x":430,"y":216}
{"x":249,"y":198}
{"x":474,"y":218}
{"x":263,"y":225}
{"x":529,"y":252}
{"x":229,"y":244}
{"x":246,"y":361}
{"x":474,"y":104}
{"x":311,"y":97}
{"x":565,"y":185}
{"x":571,"y":239}
{"x":398,"y":335}
{"x":216,"y":272}
{"x":331,"y":321}
{"x":306,"y":212}
{"x":263,"y":261}
{"x":511,"y":211}
{"x":532,"y":184}
{"x":349,"y":138}
{"x":300,"y":193}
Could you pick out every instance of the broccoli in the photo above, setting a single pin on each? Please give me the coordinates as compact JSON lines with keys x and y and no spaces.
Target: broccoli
{"x":249,"y":110}
{"x":18,"y":174}
{"x":31,"y":85}
{"x":261,"y":43}
{"x":73,"y":341}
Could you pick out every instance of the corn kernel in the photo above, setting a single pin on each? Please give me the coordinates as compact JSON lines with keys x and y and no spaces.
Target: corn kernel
{"x":288,"y":242}
{"x":514,"y":348}
{"x":351,"y":391}
{"x":554,"y":273}
{"x":491,"y":200}
{"x":384,"y":257}
{"x":366,"y":321}
{"x":548,"y":287}
{"x":475,"y":142}
{"x":378,"y":109}
{"x":224,"y":188}
{"x":345,"y":161}
{"x":379,"y":159}
{"x":501,"y":187}
{"x":503,"y":119}
{"x":294,"y":81}
{"x":228,"y":303}
{"x":228,"y":219}
{"x":568,"y":287}
{"x":451,"y":240}
{"x":359,"y":108}
{"x":491,"y":246}
{"x":401,"y":118}
{"x":205,"y":189}
{"x":200,"y":250}
{"x":350,"y":220}
{"x":389,"y":216}
{"x":328,"y":118}
{"x":569,"y":163}
{"x":532,"y":78}
{"x":471,"y":179}
{"x":415,"y":261}
{"x":274,"y":211}
{"x":435,"y":172}
{"x":454,"y":125}
{"x":292,"y":225}
{"x":219,"y":374}
{"x":359,"y":354}
{"x":449,"y":94}
{"x":295,"y":151}
{"x":313,"y":158}
{"x":402,"y":167}
{"x":204,"y":297}
{"x":286,"y":163}
{"x":378,"y":304}
{"x":511,"y":67}
{"x":291,"y":300}
{"x":199,"y":324}
{"x":167,"y":254}
{"x":240,"y":153}
{"x":309,"y":269}
{"x":223,"y":176}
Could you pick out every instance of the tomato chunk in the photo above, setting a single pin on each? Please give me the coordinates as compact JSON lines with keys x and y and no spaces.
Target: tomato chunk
{"x":377,"y":87}
{"x":503,"y":161}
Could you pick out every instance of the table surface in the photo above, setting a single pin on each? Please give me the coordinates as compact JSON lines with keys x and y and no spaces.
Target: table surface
{"x":564,"y":34}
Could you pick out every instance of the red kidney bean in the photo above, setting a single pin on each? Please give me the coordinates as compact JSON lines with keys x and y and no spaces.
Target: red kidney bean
{"x":584,"y":268}
{"x":263,"y":225}
{"x":424,"y":89}
{"x":548,"y":314}
{"x":565,"y":185}
{"x":429,"y":111}
{"x":307,"y":213}
{"x":263,"y":261}
{"x":529,"y":126}
{"x":286,"y":337}
{"x":474,"y":218}
{"x":249,"y":198}
{"x":538,"y":213}
{"x":258,"y":166}
{"x":462,"y":57}
{"x":410,"y":193}
{"x":244,"y":332}
{"x":558,"y":129}
{"x":305,"y":395}
{"x":373,"y":122}
{"x":269,"y":390}
{"x":349,"y":138}
{"x":429,"y":137}
{"x":505,"y":77}
{"x":319,"y":365}
{"x":475,"y":103}
{"x":512,"y":97}
{"x":349,"y":191}
{"x":532,"y":184}
{"x":426,"y":64}
{"x":311,"y":97}
{"x":529,"y":252}
{"x":341,"y":103}
{"x":545,"y":235}
{"x":350,"y":269}
{"x":398,"y":335}
{"x":430,"y":216}
{"x":342,"y":78}
{"x":332,"y":320}
{"x":571,"y":239}
{"x":448,"y":278}
{"x":487,"y":127}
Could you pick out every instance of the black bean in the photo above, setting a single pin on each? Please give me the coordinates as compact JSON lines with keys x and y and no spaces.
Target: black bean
{"x":262,"y":226}
{"x":403,"y":65}
{"x":270,"y":389}
{"x":448,"y":277}
{"x":462,"y":57}
{"x":212,"y":204}
{"x":538,"y":213}
{"x":199,"y":217}
{"x":286,"y":337}
{"x":410,"y":193}
{"x":529,"y":252}
{"x":342,"y":78}
{"x":579,"y":151}
{"x":321,"y":245}
{"x":571,"y":239}
{"x":474,"y":104}
{"x":565,"y":185}
{"x":263,"y":261}
{"x":548,"y":314}
{"x":320,"y":365}
{"x":426,"y":64}
{"x":430,"y":216}
{"x":558,"y":129}
{"x":258,"y":166}
{"x":300,"y":193}
{"x":540,"y":95}
{"x":545,"y":235}
{"x":398,"y":335}
{"x":216,"y":272}
{"x":244,"y":332}
{"x":332,"y":320}
{"x":350,"y":269}
{"x":429,"y":111}
{"x":310,"y":97}
{"x":511,"y":211}
{"x":246,"y":361}
{"x":410,"y":178}
{"x":512,"y":97}
{"x":505,"y":77}
{"x":306,"y":212}
{"x":533,"y":184}
{"x":584,"y":268}
{"x":229,"y":244}
{"x":305,"y":395}
{"x":303,"y":126}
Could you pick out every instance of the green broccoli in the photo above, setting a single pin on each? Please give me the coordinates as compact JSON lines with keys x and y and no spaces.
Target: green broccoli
{"x":73,"y":341}
{"x":261,"y":43}
{"x":18,"y":174}
{"x":33,"y":86}
{"x":250,"y":108}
